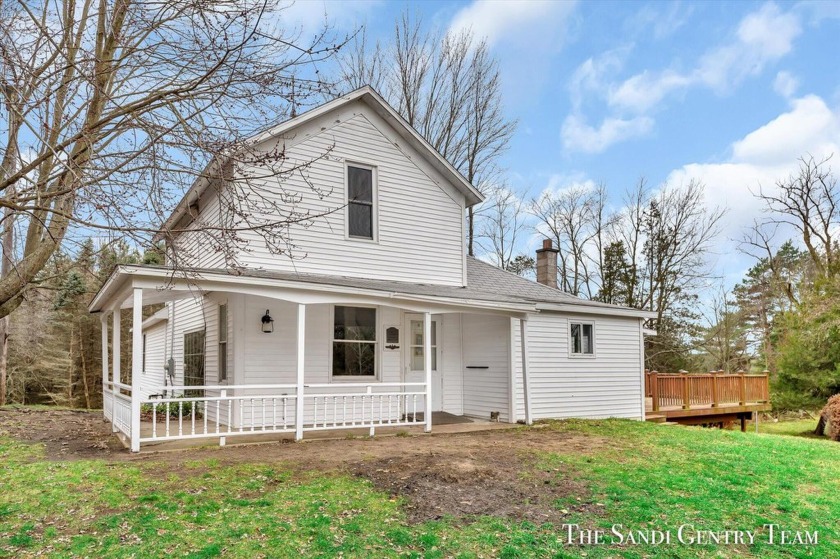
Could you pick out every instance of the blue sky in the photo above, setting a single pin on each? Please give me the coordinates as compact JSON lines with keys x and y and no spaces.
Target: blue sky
{"x":730,"y":93}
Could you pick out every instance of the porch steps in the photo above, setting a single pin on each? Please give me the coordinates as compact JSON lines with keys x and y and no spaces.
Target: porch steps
{"x":656,"y":418}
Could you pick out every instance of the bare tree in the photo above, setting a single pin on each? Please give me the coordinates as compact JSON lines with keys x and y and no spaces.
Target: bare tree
{"x":448,"y":88}
{"x":577,"y":220}
{"x":112,"y":109}
{"x":502,"y":225}
{"x":723,"y":338}
{"x":809,"y":202}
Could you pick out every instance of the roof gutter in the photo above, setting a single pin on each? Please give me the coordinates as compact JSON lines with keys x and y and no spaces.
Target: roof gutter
{"x":583,"y":308}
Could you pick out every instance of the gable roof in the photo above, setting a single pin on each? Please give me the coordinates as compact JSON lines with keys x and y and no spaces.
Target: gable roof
{"x":372,"y":99}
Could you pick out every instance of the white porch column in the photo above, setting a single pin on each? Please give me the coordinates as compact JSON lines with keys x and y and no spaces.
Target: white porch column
{"x":136,"y":367}
{"x":301,"y":345}
{"x":103,"y":319}
{"x":526,"y":381}
{"x":115,"y":357}
{"x":427,"y":368}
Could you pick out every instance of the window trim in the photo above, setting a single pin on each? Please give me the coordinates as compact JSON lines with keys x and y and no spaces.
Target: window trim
{"x":374,"y":199}
{"x":143,"y":366}
{"x":225,"y":343}
{"x":572,"y":353}
{"x":376,"y":377}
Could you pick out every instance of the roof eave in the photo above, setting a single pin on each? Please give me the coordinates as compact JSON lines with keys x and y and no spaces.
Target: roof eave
{"x":584,"y":308}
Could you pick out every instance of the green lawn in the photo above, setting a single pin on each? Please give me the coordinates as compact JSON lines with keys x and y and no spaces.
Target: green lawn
{"x":639,"y":475}
{"x":791,"y":427}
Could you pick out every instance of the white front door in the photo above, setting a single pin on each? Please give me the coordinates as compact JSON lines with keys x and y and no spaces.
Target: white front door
{"x":414,"y":365}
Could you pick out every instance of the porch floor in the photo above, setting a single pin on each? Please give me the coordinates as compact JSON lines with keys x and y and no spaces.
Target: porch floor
{"x":442,"y":423}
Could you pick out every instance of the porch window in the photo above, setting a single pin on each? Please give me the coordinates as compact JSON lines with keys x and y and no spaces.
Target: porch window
{"x":582,"y":338}
{"x":354,"y":342}
{"x":360,"y":202}
{"x":416,"y":345}
{"x":223,"y":339}
{"x":194,"y":361}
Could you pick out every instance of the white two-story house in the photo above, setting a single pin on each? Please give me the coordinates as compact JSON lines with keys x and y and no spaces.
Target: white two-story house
{"x":384,"y":322}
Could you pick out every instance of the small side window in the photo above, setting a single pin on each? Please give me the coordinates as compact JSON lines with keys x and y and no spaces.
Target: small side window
{"x":582,"y":338}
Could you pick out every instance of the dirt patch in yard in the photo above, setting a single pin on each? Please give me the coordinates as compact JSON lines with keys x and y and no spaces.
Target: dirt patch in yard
{"x":464,"y":485}
{"x":65,"y":434}
{"x":463,"y":475}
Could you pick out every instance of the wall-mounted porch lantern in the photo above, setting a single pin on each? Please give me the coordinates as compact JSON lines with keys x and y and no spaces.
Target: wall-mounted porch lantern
{"x":267,"y":323}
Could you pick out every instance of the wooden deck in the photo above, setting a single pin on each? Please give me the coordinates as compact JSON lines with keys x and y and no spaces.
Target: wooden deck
{"x":713,"y":399}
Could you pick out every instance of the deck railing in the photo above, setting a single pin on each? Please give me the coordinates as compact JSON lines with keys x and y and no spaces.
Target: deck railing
{"x":689,"y":391}
{"x":214,"y":411}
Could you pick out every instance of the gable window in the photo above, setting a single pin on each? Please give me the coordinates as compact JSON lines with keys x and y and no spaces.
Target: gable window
{"x":361,"y":211}
{"x":194,"y":361}
{"x":223,"y":338}
{"x":582,"y":338}
{"x":354,"y":342}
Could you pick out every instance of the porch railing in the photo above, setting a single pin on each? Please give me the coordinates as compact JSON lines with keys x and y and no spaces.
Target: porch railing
{"x":691,"y":391}
{"x":116,"y":405}
{"x":239,"y":410}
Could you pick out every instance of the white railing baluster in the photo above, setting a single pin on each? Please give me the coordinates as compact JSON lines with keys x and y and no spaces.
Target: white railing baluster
{"x":167,"y":419}
{"x":344,"y":410}
{"x":335,"y":410}
{"x":205,"y":411}
{"x":154,"y":420}
{"x":192,"y":419}
{"x":253,"y":415}
{"x":241,"y":407}
{"x":218,"y":413}
{"x":180,"y":418}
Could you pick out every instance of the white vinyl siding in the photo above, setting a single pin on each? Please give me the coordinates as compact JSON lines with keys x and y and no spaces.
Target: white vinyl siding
{"x":153,"y":373}
{"x":607,"y":385}
{"x":419,"y":228}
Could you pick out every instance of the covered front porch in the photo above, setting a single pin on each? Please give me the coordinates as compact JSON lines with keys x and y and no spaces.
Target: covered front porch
{"x":206,"y":367}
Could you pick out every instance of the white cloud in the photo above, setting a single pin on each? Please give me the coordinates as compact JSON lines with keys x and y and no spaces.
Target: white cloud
{"x":578,"y":135}
{"x":644,"y":91}
{"x":524,"y":36}
{"x":763,"y":157}
{"x":592,"y":77}
{"x":514,"y":21}
{"x":762,"y":37}
{"x":785,"y":84}
{"x":662,"y":20}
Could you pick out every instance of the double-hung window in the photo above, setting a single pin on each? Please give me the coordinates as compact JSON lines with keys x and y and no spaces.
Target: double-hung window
{"x":582,"y":337}
{"x":361,"y":203}
{"x":354,"y":342}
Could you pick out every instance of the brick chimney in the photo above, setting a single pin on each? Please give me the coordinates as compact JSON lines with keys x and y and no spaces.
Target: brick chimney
{"x":547,"y":264}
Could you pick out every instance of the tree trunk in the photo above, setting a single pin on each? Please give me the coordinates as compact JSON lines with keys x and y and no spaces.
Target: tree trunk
{"x":84,"y":372}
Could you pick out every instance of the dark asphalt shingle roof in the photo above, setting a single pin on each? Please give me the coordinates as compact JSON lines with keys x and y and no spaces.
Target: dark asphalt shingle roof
{"x":485,"y":283}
